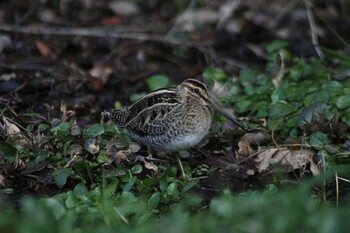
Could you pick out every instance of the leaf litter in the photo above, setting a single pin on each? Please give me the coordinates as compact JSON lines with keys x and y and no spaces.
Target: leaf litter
{"x":72,"y":77}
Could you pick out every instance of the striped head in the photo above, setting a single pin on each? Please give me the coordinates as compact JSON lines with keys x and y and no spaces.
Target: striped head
{"x":195,"y":89}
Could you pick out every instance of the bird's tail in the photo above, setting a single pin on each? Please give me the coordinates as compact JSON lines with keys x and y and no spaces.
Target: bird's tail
{"x":119,"y":117}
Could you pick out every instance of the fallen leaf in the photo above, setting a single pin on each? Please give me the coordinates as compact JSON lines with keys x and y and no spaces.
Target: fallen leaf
{"x":91,"y":145}
{"x":3,"y":182}
{"x":66,"y":113}
{"x":255,"y":138}
{"x":134,"y":147}
{"x":117,"y":158}
{"x":190,"y":20}
{"x":19,"y":164}
{"x":101,"y":73}
{"x":114,"y":20}
{"x":151,"y":166}
{"x":244,"y":148}
{"x":124,"y":8}
{"x":75,"y":149}
{"x":43,"y":48}
{"x":288,"y":159}
{"x":13,"y":134}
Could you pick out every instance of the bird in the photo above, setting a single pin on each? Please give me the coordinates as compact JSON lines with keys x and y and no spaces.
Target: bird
{"x":171,"y":119}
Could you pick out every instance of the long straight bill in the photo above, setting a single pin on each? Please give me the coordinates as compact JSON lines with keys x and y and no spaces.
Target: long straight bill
{"x":228,"y":116}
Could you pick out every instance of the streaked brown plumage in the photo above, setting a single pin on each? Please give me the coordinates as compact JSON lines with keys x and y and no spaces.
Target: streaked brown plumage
{"x":170,"y":119}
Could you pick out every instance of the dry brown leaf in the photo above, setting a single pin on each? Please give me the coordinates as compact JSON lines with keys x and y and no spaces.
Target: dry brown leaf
{"x":3,"y":183}
{"x":91,"y":145}
{"x":66,"y":113}
{"x":190,"y":20}
{"x":101,"y":72}
{"x":255,"y":138}
{"x":13,"y":133}
{"x":117,"y":158}
{"x":43,"y":48}
{"x":151,"y":166}
{"x":288,"y":159}
{"x":134,"y":147}
{"x":124,"y":8}
{"x":113,"y":20}
{"x":19,"y":164}
{"x":244,"y":148}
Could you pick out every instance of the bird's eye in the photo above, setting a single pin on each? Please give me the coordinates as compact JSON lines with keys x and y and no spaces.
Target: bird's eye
{"x":196,"y":90}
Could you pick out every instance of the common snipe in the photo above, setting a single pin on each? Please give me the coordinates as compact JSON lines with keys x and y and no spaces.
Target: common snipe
{"x":171,"y":119}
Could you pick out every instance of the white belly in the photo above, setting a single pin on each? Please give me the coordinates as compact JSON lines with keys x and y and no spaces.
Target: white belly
{"x":182,"y":143}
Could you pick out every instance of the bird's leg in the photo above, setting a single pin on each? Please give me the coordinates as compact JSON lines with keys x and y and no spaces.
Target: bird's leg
{"x":149,"y":156}
{"x":183,"y":174}
{"x":149,"y":152}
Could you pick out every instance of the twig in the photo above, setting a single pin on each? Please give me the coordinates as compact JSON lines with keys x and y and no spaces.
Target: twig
{"x":280,"y":74}
{"x":179,"y":19}
{"x":121,"y":215}
{"x":312,"y":23}
{"x":337,"y":187}
{"x":285,"y":10}
{"x":28,"y":13}
{"x":227,"y":11}
{"x":95,"y":32}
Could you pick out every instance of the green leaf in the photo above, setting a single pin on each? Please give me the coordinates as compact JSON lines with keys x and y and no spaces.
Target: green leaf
{"x":42,"y":155}
{"x":319,"y":139}
{"x":71,"y":200}
{"x":118,"y":105}
{"x":277,"y":95}
{"x":128,"y":186}
{"x":75,"y":130}
{"x":80,"y":190}
{"x":248,"y":88}
{"x":102,"y":158}
{"x":247,"y":76}
{"x":343,"y":102}
{"x":136,"y":97}
{"x":43,"y":127}
{"x":157,"y":81}
{"x":280,"y":109}
{"x":94,"y":130}
{"x":136,"y":169}
{"x":163,"y":184}
{"x":154,"y":200}
{"x":276,"y":45}
{"x":110,"y":190}
{"x":211,"y":73}
{"x":61,"y":176}
{"x":172,"y":189}
{"x":56,"y":205}
{"x":321,"y":97}
{"x":243,"y":105}
{"x":7,"y":150}
{"x":313,"y":113}
{"x":189,"y":186}
{"x":346,"y":117}
{"x":82,"y":168}
{"x":334,"y":88}
{"x":61,"y":129}
{"x":127,"y":197}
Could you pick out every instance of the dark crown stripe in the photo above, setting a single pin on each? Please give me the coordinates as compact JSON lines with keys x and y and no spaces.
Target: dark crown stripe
{"x":196,"y":84}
